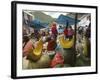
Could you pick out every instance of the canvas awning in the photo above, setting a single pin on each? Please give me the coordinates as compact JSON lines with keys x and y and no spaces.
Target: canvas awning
{"x":62,"y":19}
{"x":37,"y":24}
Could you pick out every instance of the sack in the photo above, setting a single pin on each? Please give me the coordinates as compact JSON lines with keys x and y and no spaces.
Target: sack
{"x":32,"y":57}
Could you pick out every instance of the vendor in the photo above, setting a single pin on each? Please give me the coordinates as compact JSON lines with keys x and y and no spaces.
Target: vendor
{"x":70,"y":32}
{"x":66,"y":32}
{"x":54,"y":29}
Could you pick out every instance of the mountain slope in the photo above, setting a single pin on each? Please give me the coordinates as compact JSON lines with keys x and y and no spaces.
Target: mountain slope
{"x":42,"y":17}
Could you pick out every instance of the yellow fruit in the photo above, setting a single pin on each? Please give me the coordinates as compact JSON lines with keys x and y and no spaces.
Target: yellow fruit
{"x":37,"y":52}
{"x":38,"y":48}
{"x":65,"y":43}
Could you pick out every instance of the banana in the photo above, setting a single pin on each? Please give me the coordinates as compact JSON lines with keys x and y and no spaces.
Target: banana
{"x":38,"y":48}
{"x":37,"y":51}
{"x":65,"y":43}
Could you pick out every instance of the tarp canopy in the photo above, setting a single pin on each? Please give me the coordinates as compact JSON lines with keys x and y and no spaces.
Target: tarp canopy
{"x":62,"y":19}
{"x":37,"y":24}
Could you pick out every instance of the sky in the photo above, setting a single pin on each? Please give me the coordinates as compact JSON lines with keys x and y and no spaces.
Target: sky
{"x":54,"y":14}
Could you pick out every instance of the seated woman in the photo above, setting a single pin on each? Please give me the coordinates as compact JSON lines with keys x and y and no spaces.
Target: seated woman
{"x":29,"y":46}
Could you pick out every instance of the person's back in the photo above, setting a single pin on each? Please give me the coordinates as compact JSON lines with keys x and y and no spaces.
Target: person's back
{"x":88,"y":31}
{"x":54,"y":30}
{"x":66,"y":32}
{"x":28,"y":47}
{"x":51,"y":45}
{"x":70,"y":32}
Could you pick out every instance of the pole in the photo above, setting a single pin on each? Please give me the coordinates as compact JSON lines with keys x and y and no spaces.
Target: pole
{"x":76,"y":16}
{"x":75,"y":34}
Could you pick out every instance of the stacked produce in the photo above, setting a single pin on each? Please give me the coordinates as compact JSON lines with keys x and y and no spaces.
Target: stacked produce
{"x":65,"y":43}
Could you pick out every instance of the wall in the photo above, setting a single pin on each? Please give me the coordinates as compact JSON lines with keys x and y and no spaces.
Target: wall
{"x":5,"y":40}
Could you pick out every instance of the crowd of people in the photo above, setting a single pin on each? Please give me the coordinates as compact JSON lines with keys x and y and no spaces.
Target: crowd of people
{"x":50,"y":41}
{"x":49,"y":38}
{"x":83,"y":44}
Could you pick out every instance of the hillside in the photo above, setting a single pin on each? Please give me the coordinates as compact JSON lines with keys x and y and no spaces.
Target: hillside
{"x":42,"y":17}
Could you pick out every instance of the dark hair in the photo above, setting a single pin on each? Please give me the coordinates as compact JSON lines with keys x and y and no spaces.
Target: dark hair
{"x":89,"y":24}
{"x":60,"y":26}
{"x":32,"y":34}
{"x":25,"y":38}
{"x":70,"y":27}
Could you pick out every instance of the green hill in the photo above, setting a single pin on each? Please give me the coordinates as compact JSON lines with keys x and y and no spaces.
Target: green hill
{"x":42,"y":17}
